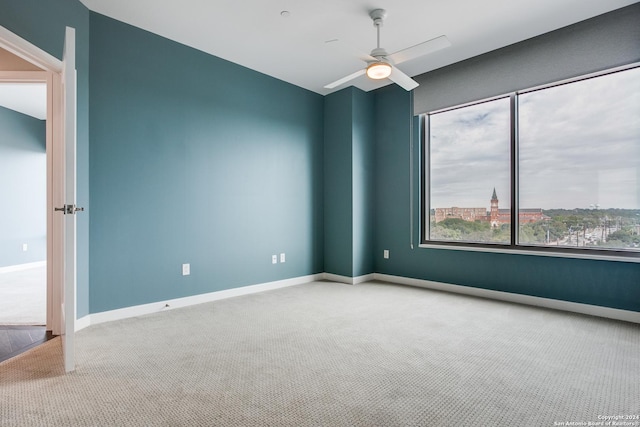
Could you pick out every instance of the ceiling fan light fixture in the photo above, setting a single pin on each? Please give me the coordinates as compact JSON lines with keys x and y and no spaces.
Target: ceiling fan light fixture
{"x":378,"y":70}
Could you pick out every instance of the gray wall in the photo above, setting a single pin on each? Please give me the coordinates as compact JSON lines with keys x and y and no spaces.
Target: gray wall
{"x":23,"y":188}
{"x":603,"y":42}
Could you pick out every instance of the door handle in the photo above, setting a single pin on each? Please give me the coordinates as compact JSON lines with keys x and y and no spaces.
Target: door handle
{"x":69,"y":209}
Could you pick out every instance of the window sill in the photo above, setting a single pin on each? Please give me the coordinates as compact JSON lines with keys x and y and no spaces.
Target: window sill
{"x":631,"y":257}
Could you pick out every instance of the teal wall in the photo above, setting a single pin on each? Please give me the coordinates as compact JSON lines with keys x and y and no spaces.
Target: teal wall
{"x":363,"y":164}
{"x":338,"y":188}
{"x":43,"y":23}
{"x":348,"y":173}
{"x":604,"y":283}
{"x":23,"y":188}
{"x":196,"y":160}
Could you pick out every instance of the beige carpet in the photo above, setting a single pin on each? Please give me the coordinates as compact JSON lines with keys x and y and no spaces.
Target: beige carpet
{"x":326,"y":354}
{"x":23,"y":297}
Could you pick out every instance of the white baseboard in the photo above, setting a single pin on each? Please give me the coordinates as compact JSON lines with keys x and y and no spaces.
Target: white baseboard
{"x":139,"y":310}
{"x":593,"y":310}
{"x":82,"y":322}
{"x":348,"y":280}
{"x":20,"y":267}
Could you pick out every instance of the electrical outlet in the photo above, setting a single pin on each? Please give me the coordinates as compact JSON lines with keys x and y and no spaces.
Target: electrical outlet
{"x":386,"y":254}
{"x":282,"y":257}
{"x":186,"y":269}
{"x":25,"y":247}
{"x":274,"y":259}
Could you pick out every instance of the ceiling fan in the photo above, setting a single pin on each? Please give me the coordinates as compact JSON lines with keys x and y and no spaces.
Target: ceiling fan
{"x":381,"y":65}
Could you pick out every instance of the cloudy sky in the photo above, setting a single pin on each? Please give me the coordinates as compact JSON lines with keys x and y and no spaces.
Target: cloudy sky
{"x":579,"y":146}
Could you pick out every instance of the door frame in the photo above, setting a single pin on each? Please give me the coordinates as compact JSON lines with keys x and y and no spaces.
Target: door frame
{"x":46,"y":78}
{"x":51,"y":75}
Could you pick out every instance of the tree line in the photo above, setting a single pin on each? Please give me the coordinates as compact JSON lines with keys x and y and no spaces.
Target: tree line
{"x":616,"y":228}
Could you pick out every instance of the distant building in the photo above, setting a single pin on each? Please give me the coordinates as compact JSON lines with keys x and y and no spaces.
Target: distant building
{"x":468,"y":214}
{"x":495,"y":216}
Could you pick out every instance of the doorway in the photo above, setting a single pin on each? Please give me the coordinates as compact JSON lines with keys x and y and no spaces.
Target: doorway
{"x":60,"y":79}
{"x":23,"y":225}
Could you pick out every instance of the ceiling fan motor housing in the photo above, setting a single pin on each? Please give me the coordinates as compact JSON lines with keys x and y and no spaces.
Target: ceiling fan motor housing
{"x":378,"y":16}
{"x":380,"y":54}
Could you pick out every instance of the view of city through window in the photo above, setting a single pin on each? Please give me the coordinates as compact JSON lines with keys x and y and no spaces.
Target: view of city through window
{"x":578,"y":167}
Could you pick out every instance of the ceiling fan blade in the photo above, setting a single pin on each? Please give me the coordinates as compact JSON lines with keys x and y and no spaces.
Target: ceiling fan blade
{"x":402,"y":80}
{"x":345,"y":79}
{"x":346,"y":48}
{"x":420,"y":49}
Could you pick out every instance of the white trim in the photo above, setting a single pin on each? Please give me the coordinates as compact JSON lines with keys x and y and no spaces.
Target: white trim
{"x":68,"y":143}
{"x":348,"y":280}
{"x":20,"y":267}
{"x":52,"y":312}
{"x":362,"y":279}
{"x":29,"y":52}
{"x":55,"y":186}
{"x":82,"y":323}
{"x":24,"y":76}
{"x":592,"y":310}
{"x":140,"y":310}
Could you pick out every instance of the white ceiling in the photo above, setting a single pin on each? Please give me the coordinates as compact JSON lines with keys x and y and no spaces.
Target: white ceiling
{"x":253,"y":33}
{"x":319,"y":42}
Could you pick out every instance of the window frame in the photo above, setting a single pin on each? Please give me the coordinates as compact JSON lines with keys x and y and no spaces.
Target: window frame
{"x":513,"y":246}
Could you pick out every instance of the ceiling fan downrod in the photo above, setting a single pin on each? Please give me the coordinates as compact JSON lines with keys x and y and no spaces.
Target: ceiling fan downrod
{"x":378,"y":16}
{"x":380,"y":68}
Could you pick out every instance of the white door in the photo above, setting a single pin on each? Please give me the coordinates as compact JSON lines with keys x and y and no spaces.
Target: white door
{"x":70,"y":209}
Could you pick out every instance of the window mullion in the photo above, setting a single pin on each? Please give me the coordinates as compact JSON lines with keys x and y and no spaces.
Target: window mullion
{"x":515,"y":214}
{"x":426,"y":180}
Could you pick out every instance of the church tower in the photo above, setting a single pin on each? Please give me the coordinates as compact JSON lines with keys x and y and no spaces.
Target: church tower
{"x":494,"y":215}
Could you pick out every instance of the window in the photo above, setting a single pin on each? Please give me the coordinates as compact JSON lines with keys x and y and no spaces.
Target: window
{"x":553,"y":167}
{"x":467,"y":144}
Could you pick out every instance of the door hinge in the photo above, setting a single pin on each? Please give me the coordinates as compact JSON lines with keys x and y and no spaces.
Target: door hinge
{"x":69,"y":209}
